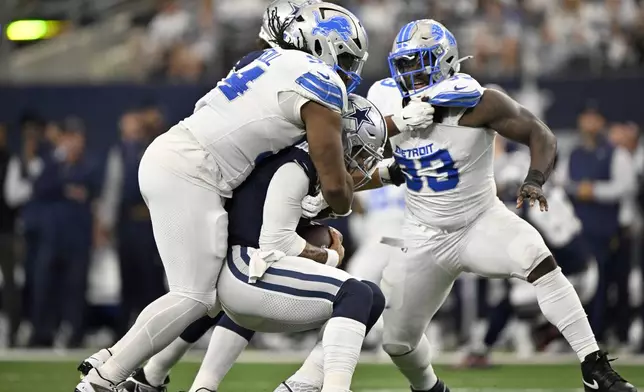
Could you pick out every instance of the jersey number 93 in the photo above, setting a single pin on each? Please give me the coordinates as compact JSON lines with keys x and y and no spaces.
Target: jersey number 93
{"x":435,"y":171}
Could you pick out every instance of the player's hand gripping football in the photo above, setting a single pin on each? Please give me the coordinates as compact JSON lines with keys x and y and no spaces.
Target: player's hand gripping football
{"x":416,"y":115}
{"x":336,"y":243}
{"x":531,"y":190}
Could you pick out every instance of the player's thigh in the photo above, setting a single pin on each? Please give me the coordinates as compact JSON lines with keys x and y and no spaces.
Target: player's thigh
{"x":415,"y":286}
{"x":370,"y":260}
{"x":190,"y":229}
{"x":294,"y":294}
{"x":501,"y":244}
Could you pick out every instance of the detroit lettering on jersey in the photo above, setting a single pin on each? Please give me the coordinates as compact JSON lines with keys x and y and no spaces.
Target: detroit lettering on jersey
{"x":416,"y":152}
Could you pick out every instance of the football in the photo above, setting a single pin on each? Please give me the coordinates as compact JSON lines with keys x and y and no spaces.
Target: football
{"x":317,"y":235}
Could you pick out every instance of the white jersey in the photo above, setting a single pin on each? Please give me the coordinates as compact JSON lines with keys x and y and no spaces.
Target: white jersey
{"x":385,"y":212}
{"x":255,"y":111}
{"x":449,"y":168}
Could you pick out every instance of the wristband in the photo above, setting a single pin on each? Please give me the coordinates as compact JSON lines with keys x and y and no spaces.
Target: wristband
{"x":535,"y":177}
{"x":332,"y":258}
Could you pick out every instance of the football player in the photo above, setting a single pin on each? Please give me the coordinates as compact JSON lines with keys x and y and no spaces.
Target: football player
{"x":186,"y":174}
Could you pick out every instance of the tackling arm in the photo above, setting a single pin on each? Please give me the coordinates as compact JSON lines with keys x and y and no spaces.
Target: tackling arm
{"x":324,"y":135}
{"x":506,"y":116}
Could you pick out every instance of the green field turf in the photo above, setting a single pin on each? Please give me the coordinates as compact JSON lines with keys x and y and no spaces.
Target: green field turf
{"x":62,"y":377}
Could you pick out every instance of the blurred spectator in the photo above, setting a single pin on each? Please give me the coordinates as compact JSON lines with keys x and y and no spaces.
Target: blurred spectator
{"x":23,"y":169}
{"x":496,"y":39}
{"x":124,"y":215}
{"x":67,"y":187}
{"x":8,"y":258}
{"x":600,"y":175}
{"x":179,"y":43}
{"x":567,"y":34}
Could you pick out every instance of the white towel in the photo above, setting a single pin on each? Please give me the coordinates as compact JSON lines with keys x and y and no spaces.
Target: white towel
{"x":260,"y":261}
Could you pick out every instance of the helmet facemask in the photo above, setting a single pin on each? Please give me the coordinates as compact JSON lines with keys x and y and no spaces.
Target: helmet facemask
{"x":360,"y":156}
{"x":416,"y":70}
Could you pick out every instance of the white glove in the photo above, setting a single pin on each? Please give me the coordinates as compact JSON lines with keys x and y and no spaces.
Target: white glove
{"x":416,"y":115}
{"x":312,"y":205}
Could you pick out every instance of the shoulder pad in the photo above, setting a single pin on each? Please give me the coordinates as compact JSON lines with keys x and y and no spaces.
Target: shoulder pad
{"x":321,"y":84}
{"x":384,"y":94}
{"x":461,"y":90}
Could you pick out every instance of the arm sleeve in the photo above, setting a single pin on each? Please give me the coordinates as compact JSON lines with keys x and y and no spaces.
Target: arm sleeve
{"x":18,"y":190}
{"x":623,"y":179}
{"x":283,"y":210}
{"x":111,"y":192}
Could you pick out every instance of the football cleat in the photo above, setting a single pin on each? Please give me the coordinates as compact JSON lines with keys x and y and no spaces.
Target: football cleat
{"x":599,"y":376}
{"x":439,"y":387}
{"x":87,"y":386}
{"x":296,"y":386}
{"x":137,"y":382}
{"x":95,"y":361}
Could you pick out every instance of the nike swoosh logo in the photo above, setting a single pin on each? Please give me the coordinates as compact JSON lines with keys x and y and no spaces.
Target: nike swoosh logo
{"x":457,"y":88}
{"x":594,"y":385}
{"x":327,"y":77}
{"x":406,"y":118}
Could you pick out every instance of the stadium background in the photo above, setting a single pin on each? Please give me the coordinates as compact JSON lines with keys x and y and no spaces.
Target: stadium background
{"x":107,"y":72}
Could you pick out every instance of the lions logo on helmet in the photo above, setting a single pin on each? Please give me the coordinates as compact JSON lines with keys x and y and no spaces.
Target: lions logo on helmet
{"x":332,"y":34}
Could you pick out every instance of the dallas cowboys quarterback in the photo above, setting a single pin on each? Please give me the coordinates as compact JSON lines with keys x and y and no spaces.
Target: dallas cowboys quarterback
{"x":187,"y":173}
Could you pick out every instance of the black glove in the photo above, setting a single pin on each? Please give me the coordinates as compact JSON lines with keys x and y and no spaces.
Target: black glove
{"x":531,"y":189}
{"x":394,"y":175}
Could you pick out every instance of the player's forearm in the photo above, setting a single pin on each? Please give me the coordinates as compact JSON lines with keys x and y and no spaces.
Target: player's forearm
{"x":314,"y":253}
{"x":339,"y":198}
{"x":392,"y":129}
{"x":543,"y":149}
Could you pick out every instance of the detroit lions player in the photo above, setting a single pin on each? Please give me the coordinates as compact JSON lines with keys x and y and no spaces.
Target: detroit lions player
{"x":188,"y":172}
{"x":561,"y":230}
{"x":454,"y":221}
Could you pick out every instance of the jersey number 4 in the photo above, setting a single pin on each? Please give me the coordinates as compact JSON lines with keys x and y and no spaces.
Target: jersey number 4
{"x":435,"y":171}
{"x":237,"y":84}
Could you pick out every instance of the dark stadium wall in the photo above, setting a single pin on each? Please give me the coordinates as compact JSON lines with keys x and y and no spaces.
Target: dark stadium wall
{"x":101,"y":106}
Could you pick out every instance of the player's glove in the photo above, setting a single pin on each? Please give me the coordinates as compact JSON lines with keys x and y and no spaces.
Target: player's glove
{"x":390,"y":172}
{"x":416,"y":115}
{"x":531,"y":189}
{"x":312,"y":205}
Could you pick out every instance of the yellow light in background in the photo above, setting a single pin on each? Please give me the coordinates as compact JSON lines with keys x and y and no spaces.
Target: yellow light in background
{"x":32,"y":30}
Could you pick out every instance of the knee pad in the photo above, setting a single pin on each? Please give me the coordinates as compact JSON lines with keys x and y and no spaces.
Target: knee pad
{"x":397,"y":349}
{"x":198,"y":328}
{"x":377,"y":305}
{"x":354,"y":300}
{"x":230,"y":325}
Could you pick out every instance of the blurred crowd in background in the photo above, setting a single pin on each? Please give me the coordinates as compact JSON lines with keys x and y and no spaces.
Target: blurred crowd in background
{"x":506,"y":37}
{"x":77,"y":255}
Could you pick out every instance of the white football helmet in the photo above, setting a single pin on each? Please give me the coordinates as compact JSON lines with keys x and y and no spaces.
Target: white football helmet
{"x":278,"y":15}
{"x":364,"y":137}
{"x":332,"y":34}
